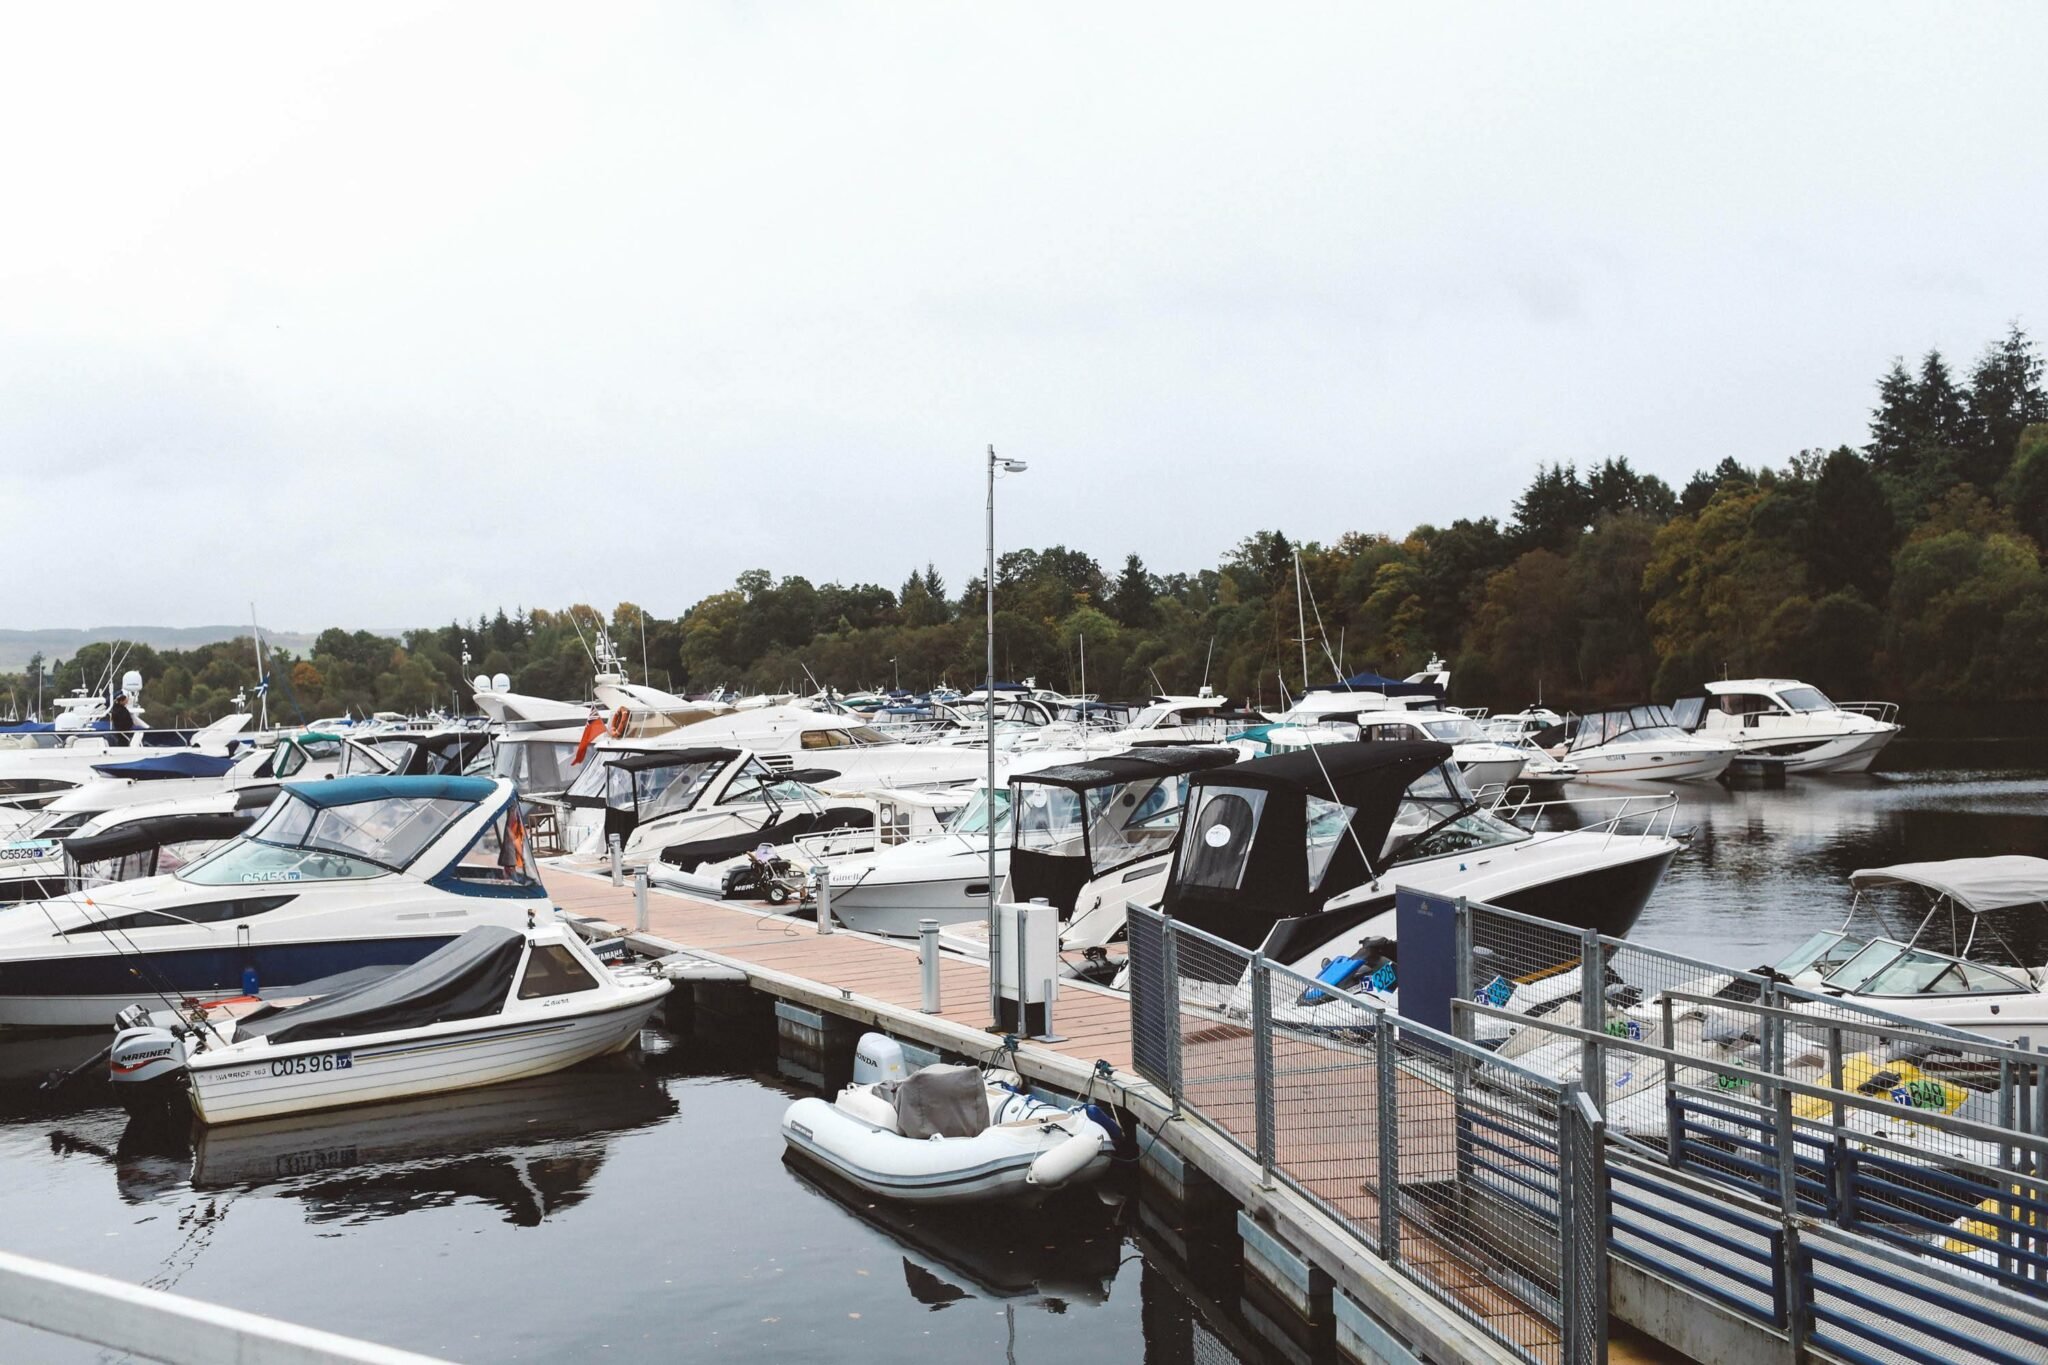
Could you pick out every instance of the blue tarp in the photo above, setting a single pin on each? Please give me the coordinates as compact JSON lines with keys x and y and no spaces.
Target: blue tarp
{"x":28,"y":727}
{"x":1373,"y":682}
{"x":168,"y":765}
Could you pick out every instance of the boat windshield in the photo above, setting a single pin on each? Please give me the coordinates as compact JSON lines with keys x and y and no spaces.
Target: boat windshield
{"x":1327,"y":822}
{"x":656,"y":792}
{"x":1821,"y":953}
{"x":1438,"y":817}
{"x":1886,"y":968}
{"x":297,"y":841}
{"x":1453,"y":730}
{"x":1134,"y":820}
{"x":1636,"y":722}
{"x":974,"y":820}
{"x":1049,"y":821}
{"x":1806,"y":699}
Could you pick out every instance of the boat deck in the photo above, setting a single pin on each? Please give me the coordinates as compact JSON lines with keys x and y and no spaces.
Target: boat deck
{"x":878,"y":981}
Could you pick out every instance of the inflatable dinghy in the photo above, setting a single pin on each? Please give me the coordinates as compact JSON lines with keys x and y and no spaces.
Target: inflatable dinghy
{"x":949,"y":1134}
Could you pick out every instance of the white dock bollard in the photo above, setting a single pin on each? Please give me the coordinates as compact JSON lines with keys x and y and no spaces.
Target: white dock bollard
{"x":618,"y":869}
{"x":928,"y":962}
{"x":640,"y":899}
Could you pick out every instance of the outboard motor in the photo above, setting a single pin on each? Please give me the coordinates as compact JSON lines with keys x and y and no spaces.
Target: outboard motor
{"x":878,"y":1058}
{"x":146,"y":1063}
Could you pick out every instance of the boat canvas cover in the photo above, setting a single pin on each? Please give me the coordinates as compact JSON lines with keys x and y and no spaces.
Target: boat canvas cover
{"x":644,"y":759}
{"x":154,"y":831}
{"x":1373,"y":682}
{"x":168,"y":765}
{"x":1138,"y":765}
{"x":468,"y":978}
{"x":941,"y":1101}
{"x":1976,"y":884}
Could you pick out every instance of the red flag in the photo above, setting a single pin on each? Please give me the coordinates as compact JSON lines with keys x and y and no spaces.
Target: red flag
{"x":591,"y":732}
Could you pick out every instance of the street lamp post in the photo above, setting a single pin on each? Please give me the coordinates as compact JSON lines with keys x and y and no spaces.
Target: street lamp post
{"x":988,"y":711}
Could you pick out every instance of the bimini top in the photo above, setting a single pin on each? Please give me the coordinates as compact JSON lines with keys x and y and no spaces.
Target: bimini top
{"x":154,"y":831}
{"x":1976,"y":884}
{"x":644,"y":759}
{"x":1137,"y":765}
{"x":347,"y":791}
{"x":168,"y":765}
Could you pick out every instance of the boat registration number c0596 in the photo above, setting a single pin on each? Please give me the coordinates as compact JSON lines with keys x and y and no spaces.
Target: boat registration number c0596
{"x":325,"y":1061}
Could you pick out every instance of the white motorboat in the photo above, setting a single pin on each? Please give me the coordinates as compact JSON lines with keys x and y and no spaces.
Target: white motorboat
{"x":1485,"y":762}
{"x":337,"y":874}
{"x":1793,"y":721}
{"x":129,"y":843}
{"x":949,"y":1135}
{"x":1643,"y":744}
{"x":942,"y":876}
{"x":496,"y":1004}
{"x":31,"y":778}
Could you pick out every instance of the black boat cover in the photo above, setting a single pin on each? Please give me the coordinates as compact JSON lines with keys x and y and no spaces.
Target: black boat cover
{"x":1243,"y":861}
{"x":467,"y":978}
{"x":1135,"y":766}
{"x":696,"y":852}
{"x":154,"y":831}
{"x":644,"y":759}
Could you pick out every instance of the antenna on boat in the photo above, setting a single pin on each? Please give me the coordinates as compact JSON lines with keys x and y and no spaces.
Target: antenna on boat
{"x":262,"y":677}
{"x":1205,"y":663}
{"x":646,"y":673}
{"x":1160,"y":686}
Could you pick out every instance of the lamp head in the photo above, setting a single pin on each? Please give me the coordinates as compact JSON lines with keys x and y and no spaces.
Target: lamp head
{"x":1014,"y":466}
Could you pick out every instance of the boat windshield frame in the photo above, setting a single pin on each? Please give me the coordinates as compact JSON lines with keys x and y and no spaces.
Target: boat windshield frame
{"x":1414,"y":848}
{"x":1889,"y":957}
{"x":294,"y":827}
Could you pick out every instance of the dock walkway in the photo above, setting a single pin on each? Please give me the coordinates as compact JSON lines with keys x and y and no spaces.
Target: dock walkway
{"x":877,"y":981}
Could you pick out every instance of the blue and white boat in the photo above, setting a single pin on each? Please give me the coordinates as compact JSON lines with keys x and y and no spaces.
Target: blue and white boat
{"x":336,"y":875}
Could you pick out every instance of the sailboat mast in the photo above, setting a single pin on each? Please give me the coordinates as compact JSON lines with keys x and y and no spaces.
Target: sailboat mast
{"x":1300,"y":621}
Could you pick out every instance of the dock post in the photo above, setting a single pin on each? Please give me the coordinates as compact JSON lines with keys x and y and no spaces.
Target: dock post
{"x":640,"y":899}
{"x":618,"y":870}
{"x":928,"y":962}
{"x":1593,"y":1016}
{"x":1169,"y":964}
{"x":1264,"y":1137}
{"x":1387,"y":1160}
{"x":1461,"y":964}
{"x":821,"y":878}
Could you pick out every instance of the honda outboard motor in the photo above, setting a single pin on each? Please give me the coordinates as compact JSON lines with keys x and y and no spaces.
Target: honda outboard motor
{"x":878,"y":1058}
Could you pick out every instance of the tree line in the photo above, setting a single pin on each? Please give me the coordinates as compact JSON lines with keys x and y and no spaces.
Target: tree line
{"x":1908,"y":567}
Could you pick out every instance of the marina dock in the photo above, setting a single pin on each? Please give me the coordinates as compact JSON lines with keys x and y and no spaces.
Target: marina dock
{"x":865,"y":981}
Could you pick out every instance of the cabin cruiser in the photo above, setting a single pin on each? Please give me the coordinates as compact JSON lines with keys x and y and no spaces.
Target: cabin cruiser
{"x":126,"y":842}
{"x":495,"y":1004}
{"x":1092,"y":835}
{"x":857,"y":755}
{"x":31,"y":778}
{"x":1485,"y":762}
{"x":942,"y":876}
{"x":687,"y":806}
{"x":1643,"y":744}
{"x":456,"y":750}
{"x":348,"y":872}
{"x":1204,"y":718}
{"x":1299,"y":855}
{"x":1785,"y":719}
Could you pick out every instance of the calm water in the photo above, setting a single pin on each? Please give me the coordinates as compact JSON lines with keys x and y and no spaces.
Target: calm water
{"x":643,"y":1211}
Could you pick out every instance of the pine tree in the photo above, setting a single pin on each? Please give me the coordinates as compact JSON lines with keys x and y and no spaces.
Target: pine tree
{"x":1894,"y":433}
{"x":1553,"y":512}
{"x":1132,"y":599}
{"x":2004,"y":398}
{"x":1943,"y":420}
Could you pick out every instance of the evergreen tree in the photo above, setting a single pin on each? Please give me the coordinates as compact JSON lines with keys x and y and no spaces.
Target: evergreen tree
{"x":2005,"y":397}
{"x":1944,"y":421}
{"x":1894,"y":422}
{"x":1852,"y":532}
{"x":1553,"y":512}
{"x":1131,"y":600}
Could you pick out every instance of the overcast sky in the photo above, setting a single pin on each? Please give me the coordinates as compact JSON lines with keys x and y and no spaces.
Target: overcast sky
{"x":418,"y":310}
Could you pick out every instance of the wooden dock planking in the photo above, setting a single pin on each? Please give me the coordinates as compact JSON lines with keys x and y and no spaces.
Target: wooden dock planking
{"x":1319,"y":1136}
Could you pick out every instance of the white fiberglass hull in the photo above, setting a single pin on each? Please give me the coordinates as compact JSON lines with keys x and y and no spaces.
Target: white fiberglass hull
{"x":253,"y":1080}
{"x":1004,"y":1161}
{"x":898,"y":889}
{"x":1653,"y":763}
{"x":1809,"y":753}
{"x":1490,"y":772}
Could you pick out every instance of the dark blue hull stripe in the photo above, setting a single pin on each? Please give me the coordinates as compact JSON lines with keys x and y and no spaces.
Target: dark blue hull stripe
{"x":207,"y":971}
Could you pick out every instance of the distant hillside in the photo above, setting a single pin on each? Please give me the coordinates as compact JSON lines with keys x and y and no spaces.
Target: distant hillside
{"x":18,"y":646}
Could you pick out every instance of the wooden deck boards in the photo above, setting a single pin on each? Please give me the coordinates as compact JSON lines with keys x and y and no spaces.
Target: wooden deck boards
{"x":1326,"y":1108}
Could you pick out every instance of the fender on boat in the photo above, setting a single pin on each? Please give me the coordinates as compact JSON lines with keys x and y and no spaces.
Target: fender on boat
{"x":1065,"y":1161}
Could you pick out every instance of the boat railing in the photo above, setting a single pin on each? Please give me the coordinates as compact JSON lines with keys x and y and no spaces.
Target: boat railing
{"x":1645,"y":813}
{"x":154,"y":1325}
{"x":1886,"y":712}
{"x":1479,"y":1182}
{"x":1854,"y":1182}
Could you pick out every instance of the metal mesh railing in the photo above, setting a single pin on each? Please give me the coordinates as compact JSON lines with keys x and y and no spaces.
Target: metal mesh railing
{"x":1482,"y":1182}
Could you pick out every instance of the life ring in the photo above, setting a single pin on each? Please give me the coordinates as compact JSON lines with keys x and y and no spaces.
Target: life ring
{"x":618,"y":725}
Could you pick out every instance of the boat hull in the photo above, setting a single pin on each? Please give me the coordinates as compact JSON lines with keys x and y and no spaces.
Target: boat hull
{"x":895,"y":907}
{"x":264,"y":1082}
{"x":995,"y":1165}
{"x":1839,"y":753}
{"x":1653,"y":765}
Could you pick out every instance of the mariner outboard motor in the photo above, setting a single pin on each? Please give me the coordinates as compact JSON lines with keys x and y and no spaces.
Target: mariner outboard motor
{"x":147,"y":1061}
{"x":763,"y":876}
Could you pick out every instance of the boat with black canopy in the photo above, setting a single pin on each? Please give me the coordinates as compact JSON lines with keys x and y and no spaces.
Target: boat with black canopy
{"x":1299,"y":855}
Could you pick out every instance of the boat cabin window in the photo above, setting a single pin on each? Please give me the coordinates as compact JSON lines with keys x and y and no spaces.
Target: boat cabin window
{"x":1219,"y":842}
{"x":297,"y":841}
{"x":1135,"y":819}
{"x":1806,"y":699}
{"x":285,"y":760}
{"x":212,"y":912}
{"x":1388,"y":732}
{"x":538,"y":765}
{"x":1452,"y":730}
{"x":825,"y":739}
{"x":1049,"y":821}
{"x":1327,"y":823}
{"x":553,"y":970}
{"x":1746,"y":703}
{"x":498,"y":857}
